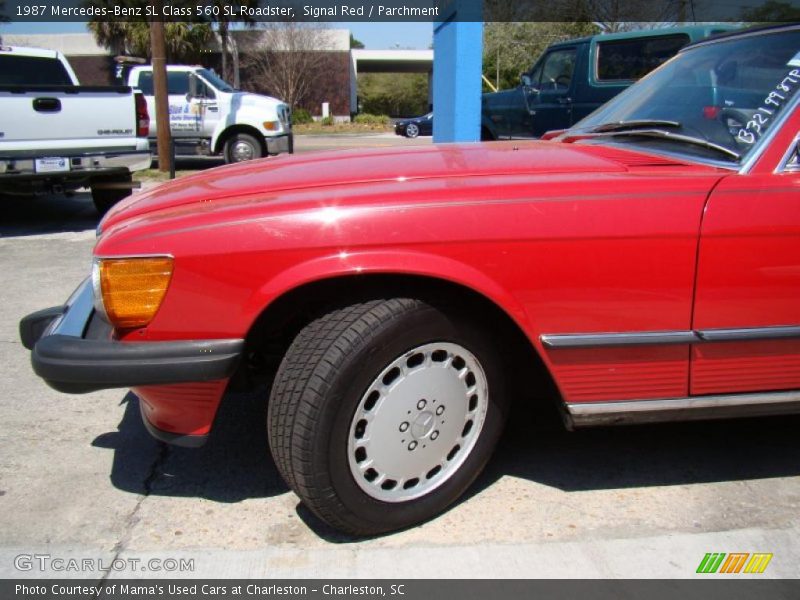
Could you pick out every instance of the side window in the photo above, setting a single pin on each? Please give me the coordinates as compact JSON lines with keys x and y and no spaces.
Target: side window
{"x":178,"y":83}
{"x":535,"y":74}
{"x":145,"y":82}
{"x":204,"y":90}
{"x":557,"y":70}
{"x":629,"y":60}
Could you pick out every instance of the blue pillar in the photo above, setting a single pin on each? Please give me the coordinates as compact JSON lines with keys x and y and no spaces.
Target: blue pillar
{"x":457,"y":63}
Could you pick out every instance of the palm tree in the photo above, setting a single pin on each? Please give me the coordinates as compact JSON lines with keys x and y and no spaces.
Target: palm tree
{"x":185,"y":40}
{"x":112,"y":35}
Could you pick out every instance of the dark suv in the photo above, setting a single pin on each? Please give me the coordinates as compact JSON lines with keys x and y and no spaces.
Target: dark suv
{"x":573,"y":78}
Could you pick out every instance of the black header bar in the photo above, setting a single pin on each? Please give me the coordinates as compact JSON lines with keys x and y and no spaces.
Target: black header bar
{"x":645,"y":11}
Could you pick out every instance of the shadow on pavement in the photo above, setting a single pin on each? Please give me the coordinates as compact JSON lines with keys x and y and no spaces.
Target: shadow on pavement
{"x":537,"y":447}
{"x":235,"y":463}
{"x":193,"y":163}
{"x":36,"y":215}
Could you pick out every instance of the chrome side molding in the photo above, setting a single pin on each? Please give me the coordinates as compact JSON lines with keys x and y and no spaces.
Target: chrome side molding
{"x":654,"y":338}
{"x":694,"y":408}
{"x":751,"y":334}
{"x":645,"y":338}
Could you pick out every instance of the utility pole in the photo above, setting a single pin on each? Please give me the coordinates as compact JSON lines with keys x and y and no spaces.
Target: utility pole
{"x":497,"y":74}
{"x":159,"y":61}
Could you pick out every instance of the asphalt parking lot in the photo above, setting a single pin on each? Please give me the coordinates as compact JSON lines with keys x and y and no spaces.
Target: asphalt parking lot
{"x":80,"y":476}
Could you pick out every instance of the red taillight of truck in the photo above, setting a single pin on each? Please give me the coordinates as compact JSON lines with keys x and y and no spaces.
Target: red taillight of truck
{"x":142,"y":116}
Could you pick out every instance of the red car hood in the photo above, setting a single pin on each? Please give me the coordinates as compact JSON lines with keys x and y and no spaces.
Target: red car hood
{"x":317,"y":170}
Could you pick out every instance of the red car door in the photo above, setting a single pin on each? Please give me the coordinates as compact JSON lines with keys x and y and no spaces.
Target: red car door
{"x":747,"y":302}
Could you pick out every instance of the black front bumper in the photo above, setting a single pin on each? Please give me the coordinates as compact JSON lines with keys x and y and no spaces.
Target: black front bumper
{"x":73,"y":350}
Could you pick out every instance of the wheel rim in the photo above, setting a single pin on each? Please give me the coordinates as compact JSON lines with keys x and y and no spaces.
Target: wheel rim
{"x":417,"y":422}
{"x":242,"y":151}
{"x":412,"y":130}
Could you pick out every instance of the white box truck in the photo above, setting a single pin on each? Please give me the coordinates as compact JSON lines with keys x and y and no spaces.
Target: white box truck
{"x":210,"y":117}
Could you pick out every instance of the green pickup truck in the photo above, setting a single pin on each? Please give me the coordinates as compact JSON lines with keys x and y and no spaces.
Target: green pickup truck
{"x":574,"y":77}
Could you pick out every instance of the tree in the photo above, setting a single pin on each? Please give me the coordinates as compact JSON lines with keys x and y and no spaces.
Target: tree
{"x":614,"y":16}
{"x":772,"y":12}
{"x":511,"y":48}
{"x":394,"y":94}
{"x":287,"y":59}
{"x":609,"y":15}
{"x":115,"y":36}
{"x":355,"y":44}
{"x":185,"y":40}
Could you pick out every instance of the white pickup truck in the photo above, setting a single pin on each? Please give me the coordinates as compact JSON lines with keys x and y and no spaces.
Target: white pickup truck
{"x":213,"y":118}
{"x":57,"y":136}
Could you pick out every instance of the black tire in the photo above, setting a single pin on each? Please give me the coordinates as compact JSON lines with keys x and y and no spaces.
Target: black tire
{"x":103,"y":198}
{"x":412,"y":130}
{"x":241,"y":147}
{"x":317,"y":390}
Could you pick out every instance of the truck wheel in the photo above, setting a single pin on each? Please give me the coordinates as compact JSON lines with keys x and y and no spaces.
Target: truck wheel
{"x":383,"y":413}
{"x":240,"y":147}
{"x":105,"y":198}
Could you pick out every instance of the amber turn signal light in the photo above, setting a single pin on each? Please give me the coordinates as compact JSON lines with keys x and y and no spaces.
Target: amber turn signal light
{"x":131,"y":289}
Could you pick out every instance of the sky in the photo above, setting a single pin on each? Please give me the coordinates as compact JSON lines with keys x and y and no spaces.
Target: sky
{"x":380,"y":36}
{"x":375,"y":36}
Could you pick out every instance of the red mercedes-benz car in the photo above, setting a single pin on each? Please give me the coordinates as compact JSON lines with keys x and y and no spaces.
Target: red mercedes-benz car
{"x":644,"y":266}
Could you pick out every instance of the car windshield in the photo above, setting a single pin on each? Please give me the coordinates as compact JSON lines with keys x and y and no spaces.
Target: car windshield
{"x":216,"y":81}
{"x":716,"y":100}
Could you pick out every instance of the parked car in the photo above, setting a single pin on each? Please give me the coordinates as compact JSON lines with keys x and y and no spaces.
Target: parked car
{"x":644,"y":266}
{"x":208,"y":116}
{"x":57,"y":135}
{"x":415,"y":126}
{"x":573,"y":78}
